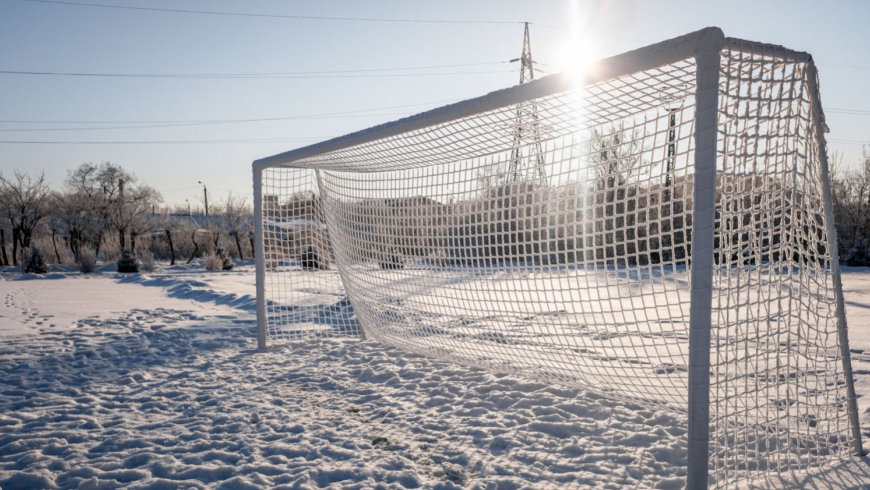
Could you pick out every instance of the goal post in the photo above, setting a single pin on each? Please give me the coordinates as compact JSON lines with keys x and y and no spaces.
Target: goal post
{"x":260,"y":261}
{"x":659,"y":231}
{"x":828,"y":202}
{"x":707,"y":61}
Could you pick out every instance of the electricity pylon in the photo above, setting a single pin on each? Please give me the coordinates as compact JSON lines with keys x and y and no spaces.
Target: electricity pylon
{"x":528,"y":130}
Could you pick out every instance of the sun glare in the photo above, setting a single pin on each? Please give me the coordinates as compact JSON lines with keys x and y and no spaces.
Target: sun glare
{"x":578,"y":53}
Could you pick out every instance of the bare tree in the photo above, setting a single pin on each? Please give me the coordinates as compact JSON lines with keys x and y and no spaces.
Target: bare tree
{"x":128,"y":212}
{"x":615,"y":158}
{"x":193,"y":232}
{"x":165,"y":223}
{"x":24,"y":203}
{"x":168,"y":231}
{"x":4,"y":224}
{"x":3,"y":255}
{"x":115,"y":198}
{"x":238,"y":218}
{"x":139,"y":207}
{"x":215,"y":225}
{"x":76,"y":216}
{"x":54,"y":225}
{"x":97,"y":186}
{"x":851,"y":196}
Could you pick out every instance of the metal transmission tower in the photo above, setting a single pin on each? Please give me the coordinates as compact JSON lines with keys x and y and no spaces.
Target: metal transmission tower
{"x":673,"y":104}
{"x":528,"y":130}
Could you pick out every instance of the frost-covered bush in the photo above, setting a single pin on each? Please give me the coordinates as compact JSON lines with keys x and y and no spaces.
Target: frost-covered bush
{"x":128,"y":263}
{"x":67,"y":257}
{"x":226,"y":262}
{"x":53,"y":250}
{"x":213,"y":262}
{"x":110,"y":250}
{"x":34,"y":262}
{"x":159,"y":246}
{"x":149,"y":263}
{"x":86,"y":261}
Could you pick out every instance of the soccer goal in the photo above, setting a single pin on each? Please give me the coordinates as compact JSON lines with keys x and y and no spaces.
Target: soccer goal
{"x":659,"y":231}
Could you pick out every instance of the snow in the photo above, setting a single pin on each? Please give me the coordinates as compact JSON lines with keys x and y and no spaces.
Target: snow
{"x":154,"y":381}
{"x":61,"y":300}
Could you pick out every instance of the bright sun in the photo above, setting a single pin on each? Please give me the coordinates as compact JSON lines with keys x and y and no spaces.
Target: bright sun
{"x":578,"y":53}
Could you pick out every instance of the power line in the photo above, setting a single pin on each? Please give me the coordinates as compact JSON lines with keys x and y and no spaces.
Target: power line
{"x":226,"y":121}
{"x":297,"y":77}
{"x":198,"y":188}
{"x":298,"y":74}
{"x":849,"y":142}
{"x":862,"y":67}
{"x":146,"y":126}
{"x":183,"y":189}
{"x":165,"y":142}
{"x":854,"y":112}
{"x":220,"y":189}
{"x":257,"y":140}
{"x":276,"y":16}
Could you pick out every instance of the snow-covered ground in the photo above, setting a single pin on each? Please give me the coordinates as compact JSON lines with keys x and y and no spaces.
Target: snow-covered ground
{"x":153,"y":381}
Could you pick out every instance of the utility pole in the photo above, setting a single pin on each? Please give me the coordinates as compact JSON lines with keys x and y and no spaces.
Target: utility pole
{"x":528,"y":130}
{"x":205,"y":195}
{"x":188,"y":206}
{"x":121,"y":230}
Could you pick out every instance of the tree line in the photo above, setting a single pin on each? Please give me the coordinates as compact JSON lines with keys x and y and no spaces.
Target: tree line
{"x":850,"y":191}
{"x":107,"y":210}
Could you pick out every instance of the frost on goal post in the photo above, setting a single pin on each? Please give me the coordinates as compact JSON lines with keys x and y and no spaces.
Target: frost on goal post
{"x":659,"y":231}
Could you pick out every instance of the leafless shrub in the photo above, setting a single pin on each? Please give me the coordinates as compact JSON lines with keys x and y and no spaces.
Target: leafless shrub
{"x":86,"y":261}
{"x":213,"y":262}
{"x":239,"y":220}
{"x":110,"y":250}
{"x":149,"y":263}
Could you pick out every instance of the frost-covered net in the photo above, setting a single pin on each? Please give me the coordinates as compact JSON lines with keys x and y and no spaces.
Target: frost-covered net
{"x":305,"y":296}
{"x":552,"y":238}
{"x":548,"y":237}
{"x":778,"y":394}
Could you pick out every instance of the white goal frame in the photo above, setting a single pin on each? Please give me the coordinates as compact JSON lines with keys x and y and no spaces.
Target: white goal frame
{"x":705,"y":47}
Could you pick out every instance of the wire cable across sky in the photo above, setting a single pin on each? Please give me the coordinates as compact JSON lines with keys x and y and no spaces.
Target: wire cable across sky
{"x":172,"y":123}
{"x":166,"y":142}
{"x":283,"y":16}
{"x":298,"y":74}
{"x":271,"y":77}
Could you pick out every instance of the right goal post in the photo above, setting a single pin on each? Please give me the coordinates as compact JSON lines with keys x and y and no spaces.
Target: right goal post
{"x":660,"y":231}
{"x":706,"y":136}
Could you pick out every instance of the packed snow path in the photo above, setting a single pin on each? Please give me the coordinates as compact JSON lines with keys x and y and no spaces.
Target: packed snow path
{"x":177,"y":397}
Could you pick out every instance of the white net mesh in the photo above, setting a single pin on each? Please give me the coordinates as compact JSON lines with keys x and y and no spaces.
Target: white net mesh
{"x":552,"y":238}
{"x":777,"y":388}
{"x":305,"y":296}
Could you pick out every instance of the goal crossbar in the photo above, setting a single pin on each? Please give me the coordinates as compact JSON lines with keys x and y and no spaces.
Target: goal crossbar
{"x":637,"y":60}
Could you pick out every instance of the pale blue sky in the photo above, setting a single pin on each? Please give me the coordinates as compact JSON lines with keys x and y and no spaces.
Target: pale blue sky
{"x":54,"y":37}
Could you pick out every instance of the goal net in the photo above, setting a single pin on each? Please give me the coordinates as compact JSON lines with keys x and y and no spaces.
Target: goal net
{"x":659,"y":232}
